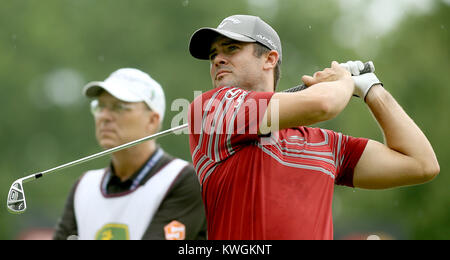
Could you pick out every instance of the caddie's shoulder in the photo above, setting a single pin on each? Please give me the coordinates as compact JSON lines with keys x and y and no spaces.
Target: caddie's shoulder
{"x":187,"y":174}
{"x":88,"y":177}
{"x":92,"y":174}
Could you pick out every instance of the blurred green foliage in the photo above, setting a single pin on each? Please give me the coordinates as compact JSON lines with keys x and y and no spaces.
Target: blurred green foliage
{"x":50,"y":49}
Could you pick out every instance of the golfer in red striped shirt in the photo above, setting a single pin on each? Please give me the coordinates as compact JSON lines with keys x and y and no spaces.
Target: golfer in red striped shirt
{"x":260,"y":183}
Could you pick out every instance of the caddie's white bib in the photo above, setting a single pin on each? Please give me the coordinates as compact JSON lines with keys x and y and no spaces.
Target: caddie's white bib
{"x":122,"y":217}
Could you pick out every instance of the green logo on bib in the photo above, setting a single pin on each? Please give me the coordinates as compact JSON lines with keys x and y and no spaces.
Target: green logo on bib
{"x":113,"y":232}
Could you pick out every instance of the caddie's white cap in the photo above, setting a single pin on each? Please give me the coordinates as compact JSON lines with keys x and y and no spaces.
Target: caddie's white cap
{"x":130,"y":85}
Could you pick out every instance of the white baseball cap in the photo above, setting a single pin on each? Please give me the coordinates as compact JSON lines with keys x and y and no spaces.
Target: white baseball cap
{"x":130,"y":85}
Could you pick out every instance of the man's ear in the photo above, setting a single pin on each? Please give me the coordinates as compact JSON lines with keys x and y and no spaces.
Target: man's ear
{"x":154,"y":122}
{"x":271,"y":59}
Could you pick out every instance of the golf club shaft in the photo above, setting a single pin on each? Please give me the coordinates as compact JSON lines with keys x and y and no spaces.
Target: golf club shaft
{"x":103,"y":153}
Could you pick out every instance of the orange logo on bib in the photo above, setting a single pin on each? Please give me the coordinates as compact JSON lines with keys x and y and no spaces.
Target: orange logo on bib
{"x":175,"y":231}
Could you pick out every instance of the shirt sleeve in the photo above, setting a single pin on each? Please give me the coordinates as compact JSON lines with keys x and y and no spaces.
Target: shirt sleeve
{"x":229,"y":119}
{"x":347,"y":151}
{"x":67,"y":224}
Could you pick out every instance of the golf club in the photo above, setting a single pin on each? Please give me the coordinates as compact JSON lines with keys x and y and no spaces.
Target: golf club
{"x":16,"y":202}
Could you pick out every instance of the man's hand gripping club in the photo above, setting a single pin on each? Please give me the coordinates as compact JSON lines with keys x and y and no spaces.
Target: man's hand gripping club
{"x":363,"y":81}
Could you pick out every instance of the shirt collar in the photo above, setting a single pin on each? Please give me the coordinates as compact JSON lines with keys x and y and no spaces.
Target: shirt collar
{"x":139,"y":175}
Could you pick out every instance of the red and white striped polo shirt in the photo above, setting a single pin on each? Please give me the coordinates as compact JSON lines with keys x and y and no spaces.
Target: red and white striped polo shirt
{"x":259,"y":189}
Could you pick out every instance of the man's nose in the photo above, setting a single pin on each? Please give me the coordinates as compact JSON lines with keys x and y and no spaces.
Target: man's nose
{"x":104,"y":114}
{"x":220,"y":59}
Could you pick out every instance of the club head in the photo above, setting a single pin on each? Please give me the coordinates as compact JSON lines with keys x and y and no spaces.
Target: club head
{"x":16,"y":198}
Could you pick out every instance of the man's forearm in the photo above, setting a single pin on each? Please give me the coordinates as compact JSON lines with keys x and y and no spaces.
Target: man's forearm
{"x":335,"y":96}
{"x":318,"y":103}
{"x":400,"y":132}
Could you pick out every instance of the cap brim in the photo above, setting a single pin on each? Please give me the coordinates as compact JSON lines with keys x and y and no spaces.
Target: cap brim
{"x":201,"y":40}
{"x":95,"y":88}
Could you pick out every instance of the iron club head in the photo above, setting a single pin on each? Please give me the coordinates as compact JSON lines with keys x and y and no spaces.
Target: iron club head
{"x":16,"y":198}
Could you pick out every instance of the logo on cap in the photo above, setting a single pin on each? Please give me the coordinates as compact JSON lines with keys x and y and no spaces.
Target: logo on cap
{"x":229,"y":19}
{"x":269,"y":41}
